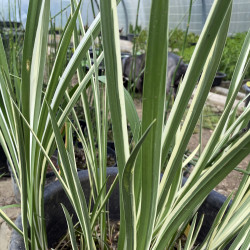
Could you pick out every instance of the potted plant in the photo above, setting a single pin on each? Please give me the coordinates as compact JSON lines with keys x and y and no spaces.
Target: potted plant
{"x":153,"y":212}
{"x":56,"y":225}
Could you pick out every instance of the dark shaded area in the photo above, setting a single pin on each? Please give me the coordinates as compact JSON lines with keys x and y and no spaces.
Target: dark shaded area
{"x":3,"y":164}
{"x":11,"y":25}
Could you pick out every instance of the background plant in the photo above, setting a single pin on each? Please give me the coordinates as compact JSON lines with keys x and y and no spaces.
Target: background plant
{"x":176,"y":39}
{"x":12,"y":34}
{"x":230,"y":53}
{"x":229,"y":57}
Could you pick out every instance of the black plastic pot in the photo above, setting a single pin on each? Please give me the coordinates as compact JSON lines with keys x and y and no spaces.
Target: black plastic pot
{"x":54,"y":196}
{"x":56,"y":224}
{"x":9,"y":24}
{"x":50,"y":177}
{"x":218,"y":79}
{"x":123,"y":37}
{"x":3,"y":164}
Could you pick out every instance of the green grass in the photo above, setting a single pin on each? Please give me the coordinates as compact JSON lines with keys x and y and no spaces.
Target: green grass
{"x":210,"y":118}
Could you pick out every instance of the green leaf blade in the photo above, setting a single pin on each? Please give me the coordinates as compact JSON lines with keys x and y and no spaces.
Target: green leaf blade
{"x":153,"y":108}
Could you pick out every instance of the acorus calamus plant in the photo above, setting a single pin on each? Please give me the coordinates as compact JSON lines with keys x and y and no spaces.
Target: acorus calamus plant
{"x":153,"y":212}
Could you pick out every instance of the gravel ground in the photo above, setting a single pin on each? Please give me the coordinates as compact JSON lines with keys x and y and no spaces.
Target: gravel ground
{"x":6,"y":198}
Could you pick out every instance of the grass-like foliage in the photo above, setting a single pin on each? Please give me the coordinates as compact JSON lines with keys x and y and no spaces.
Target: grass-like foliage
{"x":153,"y":214}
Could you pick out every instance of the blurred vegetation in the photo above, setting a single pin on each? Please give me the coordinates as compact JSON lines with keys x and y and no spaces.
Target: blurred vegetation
{"x":231,"y":54}
{"x":140,"y":38}
{"x":135,"y":29}
{"x":229,"y":57}
{"x":12,"y":34}
{"x":176,"y":39}
{"x":141,"y":41}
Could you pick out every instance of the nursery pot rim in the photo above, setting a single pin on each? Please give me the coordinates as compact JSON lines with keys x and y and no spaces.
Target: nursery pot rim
{"x":220,"y":74}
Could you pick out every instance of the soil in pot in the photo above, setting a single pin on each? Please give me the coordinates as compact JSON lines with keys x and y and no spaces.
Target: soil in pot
{"x":81,"y":160}
{"x":113,"y":229}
